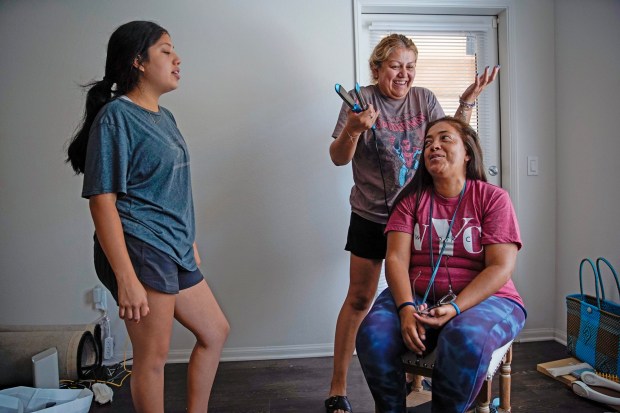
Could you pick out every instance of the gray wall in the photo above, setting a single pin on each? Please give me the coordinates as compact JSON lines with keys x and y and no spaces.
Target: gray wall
{"x":588,"y":143}
{"x":256,"y":106}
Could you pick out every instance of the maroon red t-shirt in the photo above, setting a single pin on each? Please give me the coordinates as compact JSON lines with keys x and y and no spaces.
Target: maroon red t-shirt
{"x":485,"y":216}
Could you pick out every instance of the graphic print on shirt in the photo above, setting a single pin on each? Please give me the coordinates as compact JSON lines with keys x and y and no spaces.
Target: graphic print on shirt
{"x":469,"y":235}
{"x":400,"y":147}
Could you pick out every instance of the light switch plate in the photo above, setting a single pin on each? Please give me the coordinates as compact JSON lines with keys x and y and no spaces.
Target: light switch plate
{"x":532,"y":165}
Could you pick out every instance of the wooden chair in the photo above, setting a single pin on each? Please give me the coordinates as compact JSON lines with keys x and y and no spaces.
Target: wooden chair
{"x":501,"y":359}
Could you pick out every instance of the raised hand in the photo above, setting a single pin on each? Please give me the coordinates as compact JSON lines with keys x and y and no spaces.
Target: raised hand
{"x":480,"y":83}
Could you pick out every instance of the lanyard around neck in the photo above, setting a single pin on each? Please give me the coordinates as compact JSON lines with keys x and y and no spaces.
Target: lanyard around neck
{"x":435,"y":265}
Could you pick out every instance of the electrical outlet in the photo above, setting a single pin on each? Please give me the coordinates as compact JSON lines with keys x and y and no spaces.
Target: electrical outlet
{"x":108,"y":348}
{"x":103,"y":304}
{"x":100,"y":298}
{"x":532,"y":165}
{"x":97,"y":294}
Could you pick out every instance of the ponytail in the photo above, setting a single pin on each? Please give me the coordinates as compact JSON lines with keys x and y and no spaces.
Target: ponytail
{"x":98,"y":95}
{"x":129,"y":42}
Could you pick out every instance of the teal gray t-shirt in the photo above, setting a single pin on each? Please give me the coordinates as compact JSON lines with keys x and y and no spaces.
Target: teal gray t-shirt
{"x":141,"y":156}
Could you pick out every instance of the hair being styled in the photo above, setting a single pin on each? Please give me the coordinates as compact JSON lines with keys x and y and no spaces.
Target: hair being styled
{"x":129,"y":42}
{"x":385,"y":47}
{"x":422,"y":180}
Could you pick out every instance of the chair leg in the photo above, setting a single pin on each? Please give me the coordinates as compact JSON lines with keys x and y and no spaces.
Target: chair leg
{"x":417,"y":382}
{"x":483,"y":401}
{"x":505,"y":381}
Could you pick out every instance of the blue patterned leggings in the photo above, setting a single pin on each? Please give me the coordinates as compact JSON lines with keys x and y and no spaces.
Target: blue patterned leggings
{"x":466,"y":341}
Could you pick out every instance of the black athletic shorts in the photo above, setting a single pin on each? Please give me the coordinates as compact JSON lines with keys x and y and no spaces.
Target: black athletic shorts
{"x":366,"y":239}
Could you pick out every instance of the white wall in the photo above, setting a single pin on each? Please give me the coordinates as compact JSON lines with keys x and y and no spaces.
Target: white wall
{"x":588,"y":143}
{"x":533,"y":124}
{"x":256,"y":106}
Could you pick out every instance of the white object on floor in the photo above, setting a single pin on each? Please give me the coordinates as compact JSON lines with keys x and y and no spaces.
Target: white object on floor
{"x":564,"y":370}
{"x":51,"y":400}
{"x":592,"y":379}
{"x":103,"y":393}
{"x":45,"y":369}
{"x":10,"y":404}
{"x":583,"y":389}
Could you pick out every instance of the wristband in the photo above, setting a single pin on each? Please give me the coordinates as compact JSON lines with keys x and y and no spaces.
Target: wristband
{"x":405,"y":304}
{"x":456,"y":307}
{"x":467,"y":104}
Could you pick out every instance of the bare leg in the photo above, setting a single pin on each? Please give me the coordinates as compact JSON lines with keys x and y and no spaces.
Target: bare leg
{"x":364,"y":277}
{"x":197,"y":310}
{"x":150,"y":339}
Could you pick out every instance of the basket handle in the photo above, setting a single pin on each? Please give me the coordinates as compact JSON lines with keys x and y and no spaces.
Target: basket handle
{"x":597,"y":280}
{"x":613,"y":271}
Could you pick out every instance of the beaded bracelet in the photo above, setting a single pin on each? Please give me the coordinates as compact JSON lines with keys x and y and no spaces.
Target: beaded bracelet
{"x":405,"y":304}
{"x":456,"y":307}
{"x":467,"y":104}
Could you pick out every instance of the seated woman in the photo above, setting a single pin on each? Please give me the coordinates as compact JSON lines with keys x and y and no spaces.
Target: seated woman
{"x":452,"y":246}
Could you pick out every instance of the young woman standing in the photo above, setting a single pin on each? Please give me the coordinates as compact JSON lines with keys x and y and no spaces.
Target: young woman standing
{"x":137,"y":180}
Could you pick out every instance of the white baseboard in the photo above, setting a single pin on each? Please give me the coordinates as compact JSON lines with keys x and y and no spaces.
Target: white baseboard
{"x":561,"y":337}
{"x":541,"y":334}
{"x":327,"y":350}
{"x":262,"y":353}
{"x":536,"y":334}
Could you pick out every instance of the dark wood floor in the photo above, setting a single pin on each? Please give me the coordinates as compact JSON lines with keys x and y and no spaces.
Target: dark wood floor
{"x":301,"y":385}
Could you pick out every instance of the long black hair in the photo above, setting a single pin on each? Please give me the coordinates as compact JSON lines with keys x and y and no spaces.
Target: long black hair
{"x":129,"y":42}
{"x":422,"y":180}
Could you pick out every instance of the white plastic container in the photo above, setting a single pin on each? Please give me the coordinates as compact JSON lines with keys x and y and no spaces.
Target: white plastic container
{"x":49,"y":400}
{"x":10,"y":404}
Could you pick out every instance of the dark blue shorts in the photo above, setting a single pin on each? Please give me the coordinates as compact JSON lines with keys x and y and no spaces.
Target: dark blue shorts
{"x":153,"y":268}
{"x":366,"y":239}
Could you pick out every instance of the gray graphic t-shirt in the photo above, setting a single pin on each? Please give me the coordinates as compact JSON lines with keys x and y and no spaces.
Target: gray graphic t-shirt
{"x":141,"y":156}
{"x":400,"y":132}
